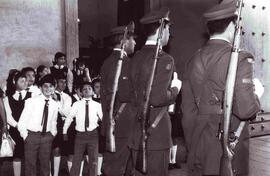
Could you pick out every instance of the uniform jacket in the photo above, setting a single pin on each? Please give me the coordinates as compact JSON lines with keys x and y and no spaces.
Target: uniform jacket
{"x":124,"y":122}
{"x":203,"y":93}
{"x":162,"y":95}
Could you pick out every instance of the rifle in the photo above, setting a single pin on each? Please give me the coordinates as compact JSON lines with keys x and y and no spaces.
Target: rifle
{"x":141,"y":163}
{"x":110,"y":138}
{"x":226,"y":159}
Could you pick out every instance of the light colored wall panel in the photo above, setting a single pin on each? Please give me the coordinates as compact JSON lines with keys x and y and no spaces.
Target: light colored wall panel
{"x":30,"y":33}
{"x":256,"y":39}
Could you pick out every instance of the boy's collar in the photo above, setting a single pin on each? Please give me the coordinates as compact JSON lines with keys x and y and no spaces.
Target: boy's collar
{"x":44,"y":97}
{"x":59,"y":67}
{"x":90,"y":98}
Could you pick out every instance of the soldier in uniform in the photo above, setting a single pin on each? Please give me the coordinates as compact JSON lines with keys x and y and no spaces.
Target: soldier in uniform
{"x":115,"y":164}
{"x":164,"y":92}
{"x":203,"y":95}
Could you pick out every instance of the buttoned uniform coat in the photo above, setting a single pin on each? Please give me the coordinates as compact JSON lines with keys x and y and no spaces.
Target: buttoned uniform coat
{"x":123,"y":95}
{"x":203,"y":95}
{"x":162,"y":95}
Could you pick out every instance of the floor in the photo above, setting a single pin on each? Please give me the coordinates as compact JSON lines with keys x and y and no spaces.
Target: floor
{"x":259,"y":160}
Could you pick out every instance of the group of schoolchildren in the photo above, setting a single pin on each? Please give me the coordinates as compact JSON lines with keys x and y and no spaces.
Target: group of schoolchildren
{"x":53,"y":112}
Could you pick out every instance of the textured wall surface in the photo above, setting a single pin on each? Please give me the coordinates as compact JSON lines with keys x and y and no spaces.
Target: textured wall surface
{"x":30,"y":33}
{"x":256,"y":39}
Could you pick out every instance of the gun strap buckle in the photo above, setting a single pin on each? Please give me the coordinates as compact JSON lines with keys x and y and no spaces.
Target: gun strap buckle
{"x":119,"y":112}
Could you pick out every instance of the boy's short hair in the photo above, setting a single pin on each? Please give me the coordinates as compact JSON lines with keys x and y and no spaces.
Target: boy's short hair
{"x":47,"y":79}
{"x":95,"y":80}
{"x":58,"y":55}
{"x":27,"y":69}
{"x":85,"y":83}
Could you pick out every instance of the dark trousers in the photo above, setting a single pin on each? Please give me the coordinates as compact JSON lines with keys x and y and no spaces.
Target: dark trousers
{"x":157,"y":162}
{"x":38,"y":146}
{"x":117,"y":164}
{"x":83,"y":141}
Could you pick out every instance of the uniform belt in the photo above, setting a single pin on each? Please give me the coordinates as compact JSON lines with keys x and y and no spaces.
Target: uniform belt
{"x":37,"y":132}
{"x":83,"y":132}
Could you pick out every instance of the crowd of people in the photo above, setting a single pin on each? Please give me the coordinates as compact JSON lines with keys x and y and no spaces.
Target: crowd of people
{"x":23,"y":102}
{"x":55,"y":111}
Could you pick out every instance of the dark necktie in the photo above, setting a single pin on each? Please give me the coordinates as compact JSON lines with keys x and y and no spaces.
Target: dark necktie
{"x":86,"y":124}
{"x":45,"y":117}
{"x":20,"y":96}
{"x":58,"y":96}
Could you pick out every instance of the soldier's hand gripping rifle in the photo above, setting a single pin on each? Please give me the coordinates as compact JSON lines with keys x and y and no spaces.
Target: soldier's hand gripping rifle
{"x":110,"y":138}
{"x":226,"y":159}
{"x":141,"y":163}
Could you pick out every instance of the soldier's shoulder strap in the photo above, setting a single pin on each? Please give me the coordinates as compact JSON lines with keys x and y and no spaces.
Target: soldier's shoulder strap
{"x":210,"y":68}
{"x":120,"y":110}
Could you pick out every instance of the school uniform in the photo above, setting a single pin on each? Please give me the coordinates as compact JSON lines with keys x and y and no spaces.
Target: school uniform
{"x":63,"y":70}
{"x":64,"y":101}
{"x":69,"y":148}
{"x":34,"y":90}
{"x":87,"y":114}
{"x":37,"y":126}
{"x":14,"y":106}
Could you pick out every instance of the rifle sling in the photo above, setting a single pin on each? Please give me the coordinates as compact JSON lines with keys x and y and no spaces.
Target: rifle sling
{"x":157,"y":120}
{"x":119,"y":112}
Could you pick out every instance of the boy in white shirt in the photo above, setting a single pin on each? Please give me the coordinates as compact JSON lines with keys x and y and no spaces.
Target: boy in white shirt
{"x":37,"y":126}
{"x":64,"y":101}
{"x":87,"y":114}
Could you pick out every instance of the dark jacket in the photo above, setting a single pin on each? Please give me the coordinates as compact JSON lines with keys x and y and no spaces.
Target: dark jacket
{"x":124,"y":122}
{"x":162,"y":95}
{"x":203,"y":94}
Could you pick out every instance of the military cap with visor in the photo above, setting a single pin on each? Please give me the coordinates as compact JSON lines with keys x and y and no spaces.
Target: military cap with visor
{"x":120,"y":30}
{"x":223,"y":10}
{"x":156,"y":16}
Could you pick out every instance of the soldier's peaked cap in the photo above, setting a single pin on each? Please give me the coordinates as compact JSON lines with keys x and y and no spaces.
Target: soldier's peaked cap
{"x":120,"y":30}
{"x":220,"y":11}
{"x":156,"y":15}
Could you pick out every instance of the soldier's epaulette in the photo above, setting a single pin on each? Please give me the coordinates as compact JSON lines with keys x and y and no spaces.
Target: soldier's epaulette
{"x":163,"y":54}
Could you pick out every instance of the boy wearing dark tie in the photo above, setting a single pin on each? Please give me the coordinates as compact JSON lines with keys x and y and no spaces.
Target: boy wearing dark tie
{"x":87,"y":114}
{"x":37,"y":126}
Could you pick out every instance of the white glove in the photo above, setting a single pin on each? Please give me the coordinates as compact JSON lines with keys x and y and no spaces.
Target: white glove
{"x":176,"y":82}
{"x":259,"y":89}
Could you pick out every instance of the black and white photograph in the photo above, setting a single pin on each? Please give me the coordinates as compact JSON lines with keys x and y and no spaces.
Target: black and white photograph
{"x":134,"y":88}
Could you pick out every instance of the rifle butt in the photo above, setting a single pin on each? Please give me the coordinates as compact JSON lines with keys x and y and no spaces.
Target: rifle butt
{"x":110,"y":140}
{"x":141,"y":162}
{"x":226,"y":166}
